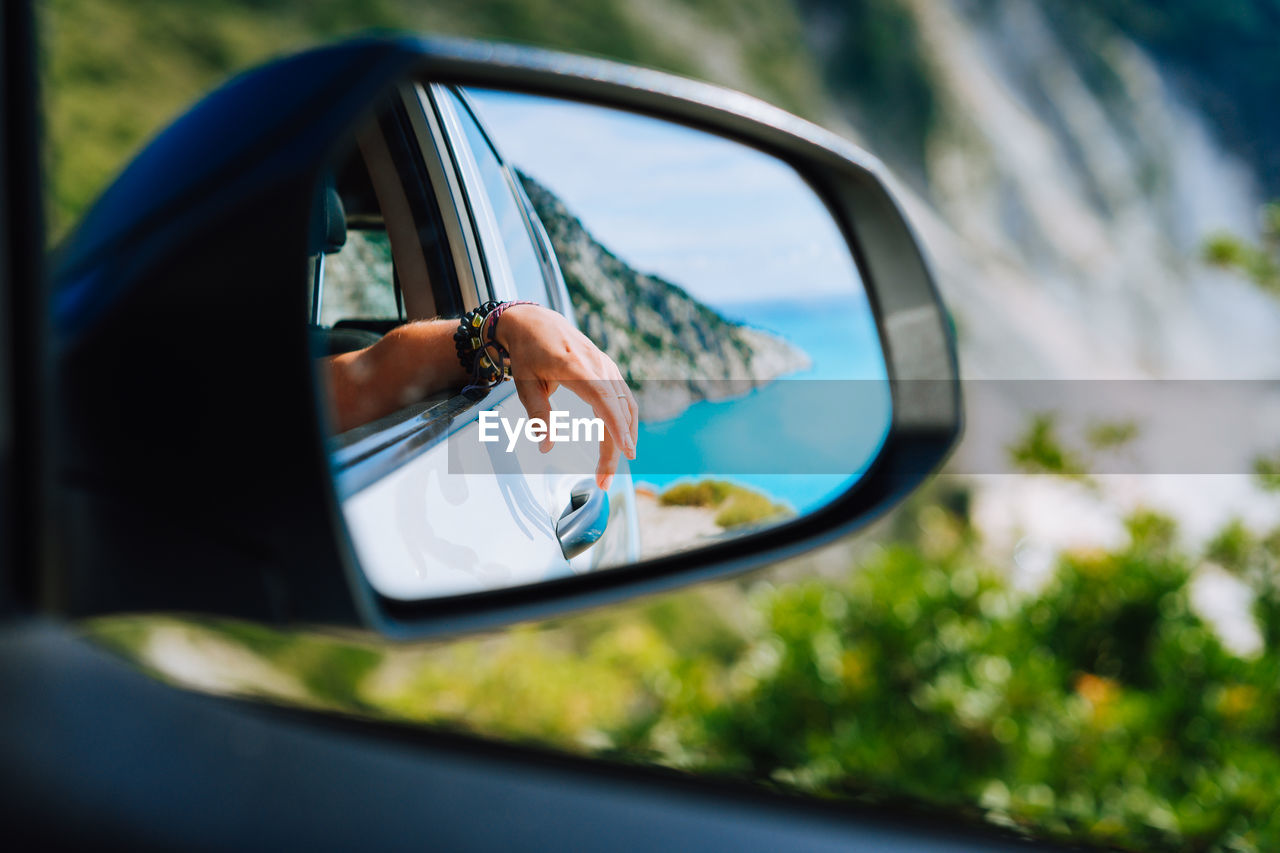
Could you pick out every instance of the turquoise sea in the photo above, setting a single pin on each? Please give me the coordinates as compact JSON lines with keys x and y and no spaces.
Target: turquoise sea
{"x":802,"y":438}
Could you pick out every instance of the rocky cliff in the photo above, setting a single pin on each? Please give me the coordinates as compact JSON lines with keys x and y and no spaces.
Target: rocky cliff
{"x":673,"y":349}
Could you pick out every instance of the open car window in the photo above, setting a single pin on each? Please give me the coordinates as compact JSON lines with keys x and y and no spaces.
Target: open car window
{"x":398,"y":263}
{"x":360,"y":281}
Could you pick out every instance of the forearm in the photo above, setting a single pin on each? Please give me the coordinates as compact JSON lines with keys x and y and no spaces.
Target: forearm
{"x":546,"y":351}
{"x":410,"y":362}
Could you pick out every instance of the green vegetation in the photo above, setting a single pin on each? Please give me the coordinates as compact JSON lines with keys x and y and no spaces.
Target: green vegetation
{"x":1233,"y":548}
{"x":1260,"y":263}
{"x":653,"y":341}
{"x":747,"y":507}
{"x":1041,"y":451}
{"x":1266,"y":469}
{"x":1100,"y":708}
{"x":1109,"y":435}
{"x":736,"y":505}
{"x":116,"y":71}
{"x":877,"y":65}
{"x":703,"y":493}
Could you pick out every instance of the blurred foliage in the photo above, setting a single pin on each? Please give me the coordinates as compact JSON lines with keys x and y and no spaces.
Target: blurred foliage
{"x":1041,"y":450}
{"x":115,"y":72}
{"x":1100,"y":708}
{"x":1108,"y":435}
{"x":876,"y":65}
{"x":748,"y":507}
{"x":735,"y":505}
{"x":1266,"y":469}
{"x":1232,"y":547}
{"x":704,"y":493}
{"x":1259,"y":263}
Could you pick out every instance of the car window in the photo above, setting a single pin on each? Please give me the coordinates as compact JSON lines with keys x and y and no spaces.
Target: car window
{"x":517,"y":241}
{"x":394,"y":263}
{"x":359,"y":280}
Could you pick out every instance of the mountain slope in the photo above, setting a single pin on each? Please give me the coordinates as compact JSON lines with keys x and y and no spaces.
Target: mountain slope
{"x":652,"y":328}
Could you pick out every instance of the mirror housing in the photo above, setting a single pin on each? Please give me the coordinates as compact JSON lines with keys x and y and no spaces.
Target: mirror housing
{"x":189,"y":456}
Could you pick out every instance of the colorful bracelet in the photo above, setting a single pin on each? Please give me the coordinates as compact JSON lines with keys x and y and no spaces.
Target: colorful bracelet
{"x":476,"y":340}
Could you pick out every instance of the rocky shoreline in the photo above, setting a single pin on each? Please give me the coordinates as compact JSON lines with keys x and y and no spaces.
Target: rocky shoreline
{"x":673,"y":349}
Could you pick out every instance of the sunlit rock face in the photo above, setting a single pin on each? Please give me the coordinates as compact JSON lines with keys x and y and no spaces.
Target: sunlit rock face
{"x":676,"y":349}
{"x":1068,"y":193}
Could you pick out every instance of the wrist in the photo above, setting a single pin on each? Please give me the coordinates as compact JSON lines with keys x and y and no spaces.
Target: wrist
{"x":508,"y":327}
{"x":481,"y":341}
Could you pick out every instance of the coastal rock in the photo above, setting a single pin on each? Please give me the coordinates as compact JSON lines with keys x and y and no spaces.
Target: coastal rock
{"x":672,"y":349}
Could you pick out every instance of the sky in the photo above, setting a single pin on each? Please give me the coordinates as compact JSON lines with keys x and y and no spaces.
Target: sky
{"x":724,"y":221}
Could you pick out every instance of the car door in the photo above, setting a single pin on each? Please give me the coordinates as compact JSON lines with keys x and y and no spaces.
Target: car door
{"x":425,"y":519}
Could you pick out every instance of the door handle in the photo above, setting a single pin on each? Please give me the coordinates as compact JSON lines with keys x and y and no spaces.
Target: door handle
{"x":583,"y":521}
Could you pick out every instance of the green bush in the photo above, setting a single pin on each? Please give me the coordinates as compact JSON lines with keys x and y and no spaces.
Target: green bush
{"x":735,"y":505}
{"x":1041,"y":451}
{"x":746,"y":507}
{"x":1259,"y":263}
{"x":1266,"y":470}
{"x":1100,"y":708}
{"x":703,"y":493}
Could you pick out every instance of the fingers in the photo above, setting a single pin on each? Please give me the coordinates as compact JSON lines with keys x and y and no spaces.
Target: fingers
{"x":537,"y":403}
{"x":554,"y":354}
{"x":622,"y":395}
{"x":625,"y":402}
{"x":608,"y":406}
{"x":608,"y":464}
{"x":633,"y":409}
{"x":612,"y":401}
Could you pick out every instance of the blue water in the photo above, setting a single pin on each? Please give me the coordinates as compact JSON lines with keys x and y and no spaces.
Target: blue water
{"x":803,"y":438}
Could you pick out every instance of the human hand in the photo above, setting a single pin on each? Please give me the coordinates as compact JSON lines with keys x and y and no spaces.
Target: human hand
{"x":547,"y":352}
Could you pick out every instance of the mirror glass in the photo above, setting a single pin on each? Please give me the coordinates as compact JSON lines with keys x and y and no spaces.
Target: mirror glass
{"x":697,"y":359}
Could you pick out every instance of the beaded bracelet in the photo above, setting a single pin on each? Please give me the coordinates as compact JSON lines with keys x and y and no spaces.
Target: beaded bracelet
{"x":476,"y":340}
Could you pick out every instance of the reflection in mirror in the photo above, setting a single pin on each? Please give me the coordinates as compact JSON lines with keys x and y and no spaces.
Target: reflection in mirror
{"x":696,"y":339}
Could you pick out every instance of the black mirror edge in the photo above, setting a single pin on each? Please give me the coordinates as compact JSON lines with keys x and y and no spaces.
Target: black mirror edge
{"x":246,"y":522}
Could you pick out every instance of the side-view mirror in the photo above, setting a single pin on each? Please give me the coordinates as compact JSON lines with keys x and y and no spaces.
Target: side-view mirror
{"x":282,"y":337}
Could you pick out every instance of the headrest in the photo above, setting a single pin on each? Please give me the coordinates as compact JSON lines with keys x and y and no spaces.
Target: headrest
{"x":336,"y":341}
{"x":328,"y":220}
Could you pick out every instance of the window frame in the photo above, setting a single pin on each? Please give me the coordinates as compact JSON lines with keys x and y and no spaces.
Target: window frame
{"x":445,"y":183}
{"x":496,"y":263}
